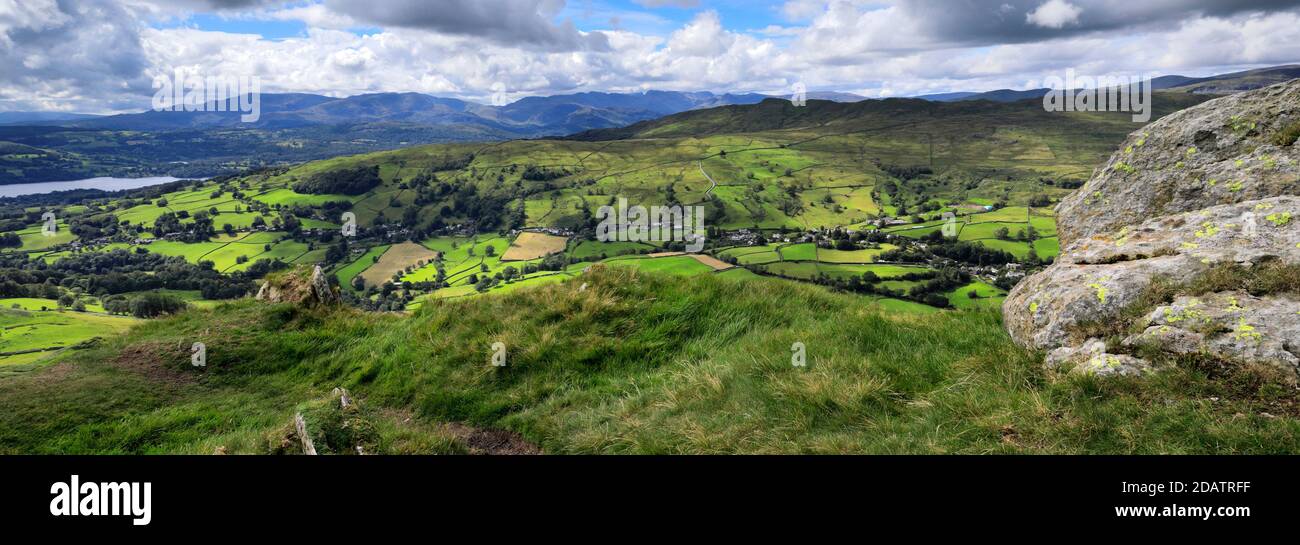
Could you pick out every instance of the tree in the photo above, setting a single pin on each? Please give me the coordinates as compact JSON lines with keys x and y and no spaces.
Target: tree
{"x":151,"y":305}
{"x":1002,"y":233}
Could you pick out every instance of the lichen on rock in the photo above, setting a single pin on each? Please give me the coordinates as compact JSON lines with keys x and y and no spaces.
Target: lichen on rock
{"x":1195,"y":190}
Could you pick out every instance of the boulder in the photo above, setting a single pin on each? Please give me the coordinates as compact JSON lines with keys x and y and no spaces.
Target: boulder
{"x":299,"y":287}
{"x":1219,"y":152}
{"x":1207,"y":186}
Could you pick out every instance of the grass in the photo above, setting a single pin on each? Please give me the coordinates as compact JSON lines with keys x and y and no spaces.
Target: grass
{"x":1287,"y":135}
{"x":680,"y":265}
{"x":990,"y":297}
{"x":24,"y":331}
{"x":635,"y":363}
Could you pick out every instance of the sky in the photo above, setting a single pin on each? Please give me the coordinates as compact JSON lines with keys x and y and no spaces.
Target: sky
{"x":102,"y":56}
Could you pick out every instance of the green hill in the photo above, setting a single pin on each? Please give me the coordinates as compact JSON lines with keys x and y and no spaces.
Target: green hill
{"x":633,"y":363}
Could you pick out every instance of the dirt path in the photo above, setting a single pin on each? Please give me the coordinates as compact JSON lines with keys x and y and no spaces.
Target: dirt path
{"x":492,"y":442}
{"x":706,"y":175}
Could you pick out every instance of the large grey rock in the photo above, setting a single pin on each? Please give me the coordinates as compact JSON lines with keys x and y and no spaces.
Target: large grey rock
{"x":1218,"y":152}
{"x":1195,"y":189}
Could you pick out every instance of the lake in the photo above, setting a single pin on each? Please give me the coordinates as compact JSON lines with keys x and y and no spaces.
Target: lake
{"x":105,"y":183}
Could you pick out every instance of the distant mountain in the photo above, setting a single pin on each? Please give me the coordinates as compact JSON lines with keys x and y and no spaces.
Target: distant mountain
{"x":32,"y":118}
{"x":1214,"y":85}
{"x":865,"y":116}
{"x":834,"y":96}
{"x":946,"y":97}
{"x":1238,"y":82}
{"x":301,"y":127}
{"x":529,"y":117}
{"x":584,"y":111}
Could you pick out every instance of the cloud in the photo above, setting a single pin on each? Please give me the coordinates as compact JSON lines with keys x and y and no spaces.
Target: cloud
{"x":97,"y":55}
{"x":67,"y":55}
{"x":1054,"y":14}
{"x":513,"y":22}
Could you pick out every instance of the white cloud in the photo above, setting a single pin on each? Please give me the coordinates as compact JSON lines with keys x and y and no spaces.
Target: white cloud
{"x":1054,"y":14}
{"x":103,"y":59}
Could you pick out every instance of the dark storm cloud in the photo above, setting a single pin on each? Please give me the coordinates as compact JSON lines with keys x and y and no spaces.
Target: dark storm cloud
{"x":69,"y":48}
{"x":510,"y":22}
{"x":986,"y":22}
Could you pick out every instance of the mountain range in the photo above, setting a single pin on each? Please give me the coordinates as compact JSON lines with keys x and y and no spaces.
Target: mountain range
{"x":526,"y":118}
{"x":539,"y":116}
{"x":297,"y":127}
{"x":1223,"y":84}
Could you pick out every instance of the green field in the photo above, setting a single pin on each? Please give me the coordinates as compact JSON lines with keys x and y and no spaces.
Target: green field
{"x":29,"y":336}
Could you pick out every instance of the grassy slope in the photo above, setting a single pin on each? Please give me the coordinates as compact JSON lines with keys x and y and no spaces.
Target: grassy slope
{"x":636,"y":363}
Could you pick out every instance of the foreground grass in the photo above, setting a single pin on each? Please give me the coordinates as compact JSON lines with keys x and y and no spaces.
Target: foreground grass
{"x":635,"y":363}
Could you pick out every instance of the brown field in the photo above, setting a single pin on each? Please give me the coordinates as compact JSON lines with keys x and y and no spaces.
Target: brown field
{"x":717,"y":264}
{"x":529,"y":245}
{"x":397,"y":258}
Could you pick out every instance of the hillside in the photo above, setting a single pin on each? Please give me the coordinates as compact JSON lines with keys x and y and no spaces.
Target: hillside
{"x":836,"y":117}
{"x":632,"y":363}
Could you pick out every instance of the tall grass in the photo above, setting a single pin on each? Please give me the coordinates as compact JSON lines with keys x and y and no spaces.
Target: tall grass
{"x":634,"y":363}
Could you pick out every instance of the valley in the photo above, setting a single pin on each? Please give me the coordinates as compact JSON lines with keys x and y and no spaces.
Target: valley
{"x":882,"y":235}
{"x":849,"y":196}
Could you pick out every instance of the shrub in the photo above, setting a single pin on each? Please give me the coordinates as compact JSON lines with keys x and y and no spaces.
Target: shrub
{"x":1288,"y":135}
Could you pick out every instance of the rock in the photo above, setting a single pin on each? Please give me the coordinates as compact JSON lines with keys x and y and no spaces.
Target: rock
{"x":1218,"y":152}
{"x":300,"y":426}
{"x":321,"y":288}
{"x":1103,"y":365}
{"x":1092,"y":359}
{"x":295,"y":286}
{"x":1227,"y":325}
{"x":1094,"y":279}
{"x":1198,"y":188}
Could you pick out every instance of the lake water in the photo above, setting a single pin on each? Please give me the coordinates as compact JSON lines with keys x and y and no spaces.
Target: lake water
{"x":106,"y":184}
